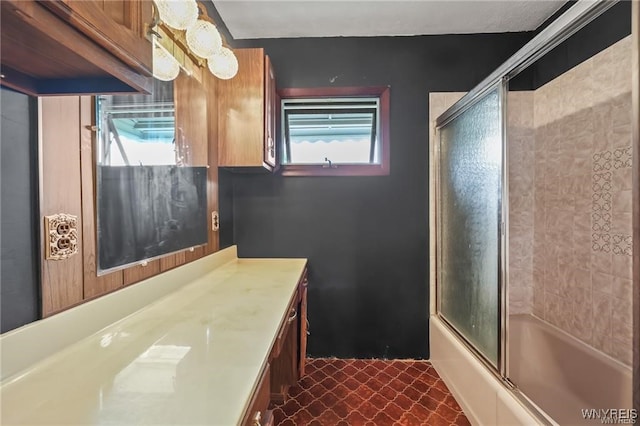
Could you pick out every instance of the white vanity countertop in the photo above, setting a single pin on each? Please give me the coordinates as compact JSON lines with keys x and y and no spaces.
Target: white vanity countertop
{"x":191,"y":357}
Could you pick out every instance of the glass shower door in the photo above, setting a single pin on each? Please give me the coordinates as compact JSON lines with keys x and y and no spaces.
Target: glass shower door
{"x":469,"y":218}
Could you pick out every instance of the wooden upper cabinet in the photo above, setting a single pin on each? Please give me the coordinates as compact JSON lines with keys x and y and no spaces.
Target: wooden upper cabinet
{"x":247,"y":114}
{"x":76,"y":46}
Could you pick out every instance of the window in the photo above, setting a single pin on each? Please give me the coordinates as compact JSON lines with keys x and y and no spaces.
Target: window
{"x":335,"y":131}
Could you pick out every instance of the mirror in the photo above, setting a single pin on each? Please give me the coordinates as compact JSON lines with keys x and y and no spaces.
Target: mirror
{"x":150,"y":201}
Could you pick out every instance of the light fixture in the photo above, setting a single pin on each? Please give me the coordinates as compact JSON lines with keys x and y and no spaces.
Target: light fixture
{"x":178,"y":14}
{"x":192,"y":36}
{"x":203,"y":38}
{"x":223,"y":64}
{"x":165,"y":66}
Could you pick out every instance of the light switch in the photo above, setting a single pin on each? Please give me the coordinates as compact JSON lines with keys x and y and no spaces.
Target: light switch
{"x":61,"y":234}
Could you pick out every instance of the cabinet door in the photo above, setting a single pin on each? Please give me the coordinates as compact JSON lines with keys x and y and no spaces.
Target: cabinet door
{"x":269,"y":113}
{"x":117,"y":25}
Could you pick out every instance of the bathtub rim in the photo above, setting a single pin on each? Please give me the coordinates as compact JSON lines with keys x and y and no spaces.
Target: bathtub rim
{"x":574,"y":341}
{"x":525,"y":403}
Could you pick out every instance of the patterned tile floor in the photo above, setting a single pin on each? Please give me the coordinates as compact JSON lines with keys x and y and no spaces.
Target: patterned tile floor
{"x":369,"y":392}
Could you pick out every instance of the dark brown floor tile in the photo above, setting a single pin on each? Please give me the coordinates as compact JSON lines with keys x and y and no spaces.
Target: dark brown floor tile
{"x":371,"y":370}
{"x":421,"y":412}
{"x":436,"y":394}
{"x":328,"y":418}
{"x":451,"y":402}
{"x":329,"y":399}
{"x":436,"y":420}
{"x":384,"y":377}
{"x":349,"y":370}
{"x":429,"y":403}
{"x":420,"y":386}
{"x":317,"y":391}
{"x":290,"y":407}
{"x":369,"y":393}
{"x":356,"y":419}
{"x":374,"y":384}
{"x":448,"y":414}
{"x":404,"y":402}
{"x":422,"y":366}
{"x":351,"y":383}
{"x":397,"y":385}
{"x":439,"y":384}
{"x":316,"y":408}
{"x":302,"y":417}
{"x":342,"y":409}
{"x":409,"y":419}
{"x":406,"y":378}
{"x":381,"y":419}
{"x":278,"y":416}
{"x":394,"y":411}
{"x":361,"y":376}
{"x":305,"y":398}
{"x":359,"y":363}
{"x":462,"y":420}
{"x":392,"y":370}
{"x":379,"y":401}
{"x":364,"y":392}
{"x":319,"y":362}
{"x":354,"y":400}
{"x":388,"y":392}
{"x":340,"y":376}
{"x":294,"y":391}
{"x":341,"y":391}
{"x":329,"y":383}
{"x":368,"y":410}
{"x":412,"y":393}
{"x":330,"y":369}
{"x":339,"y":363}
{"x":306,"y":382}
{"x":318,"y":376}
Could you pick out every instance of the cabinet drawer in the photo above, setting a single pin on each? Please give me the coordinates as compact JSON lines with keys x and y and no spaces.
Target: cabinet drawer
{"x":292,"y":314}
{"x":257,"y":413}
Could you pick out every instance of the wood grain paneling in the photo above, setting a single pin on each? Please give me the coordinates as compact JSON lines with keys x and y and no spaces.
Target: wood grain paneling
{"x":241,"y":112}
{"x":211,"y":87}
{"x":94,"y":285}
{"x":138,"y":273}
{"x":60,"y":192}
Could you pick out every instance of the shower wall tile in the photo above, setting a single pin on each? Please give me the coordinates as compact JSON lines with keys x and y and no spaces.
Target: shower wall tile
{"x":582,"y":201}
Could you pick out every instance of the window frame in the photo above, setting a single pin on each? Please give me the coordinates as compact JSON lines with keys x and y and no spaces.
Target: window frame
{"x":381,"y":169}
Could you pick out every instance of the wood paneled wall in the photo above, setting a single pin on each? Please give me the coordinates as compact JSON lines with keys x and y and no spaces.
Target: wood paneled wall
{"x":67,"y":182}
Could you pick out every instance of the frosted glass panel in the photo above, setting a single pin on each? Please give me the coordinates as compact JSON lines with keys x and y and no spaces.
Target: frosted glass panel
{"x":470,"y":190}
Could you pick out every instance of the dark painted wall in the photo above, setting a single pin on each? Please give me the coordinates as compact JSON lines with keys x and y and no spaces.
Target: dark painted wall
{"x":607,"y":29}
{"x":366,"y":237}
{"x":19,"y":284}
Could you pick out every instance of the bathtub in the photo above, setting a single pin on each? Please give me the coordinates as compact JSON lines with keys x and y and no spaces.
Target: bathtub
{"x":561,"y":374}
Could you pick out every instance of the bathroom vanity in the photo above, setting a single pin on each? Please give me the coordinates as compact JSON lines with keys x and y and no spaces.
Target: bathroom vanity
{"x":211,"y":342}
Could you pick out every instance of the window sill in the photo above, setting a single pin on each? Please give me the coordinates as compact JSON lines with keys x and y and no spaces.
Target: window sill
{"x":341,"y":170}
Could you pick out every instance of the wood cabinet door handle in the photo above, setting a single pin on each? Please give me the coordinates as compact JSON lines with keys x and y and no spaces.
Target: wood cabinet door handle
{"x":256,"y":419}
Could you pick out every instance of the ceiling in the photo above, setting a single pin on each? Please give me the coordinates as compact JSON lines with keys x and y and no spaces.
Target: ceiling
{"x":331,"y":18}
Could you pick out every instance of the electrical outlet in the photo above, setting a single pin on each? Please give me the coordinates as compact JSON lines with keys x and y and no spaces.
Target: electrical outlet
{"x":215,"y":221}
{"x":61,"y":233}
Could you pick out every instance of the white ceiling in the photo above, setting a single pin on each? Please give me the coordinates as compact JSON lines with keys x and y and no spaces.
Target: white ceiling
{"x":329,"y":18}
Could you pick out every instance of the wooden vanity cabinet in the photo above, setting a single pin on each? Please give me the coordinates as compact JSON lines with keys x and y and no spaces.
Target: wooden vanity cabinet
{"x":247,"y":114}
{"x":258,"y":413}
{"x":59,"y":47}
{"x":289,"y":351}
